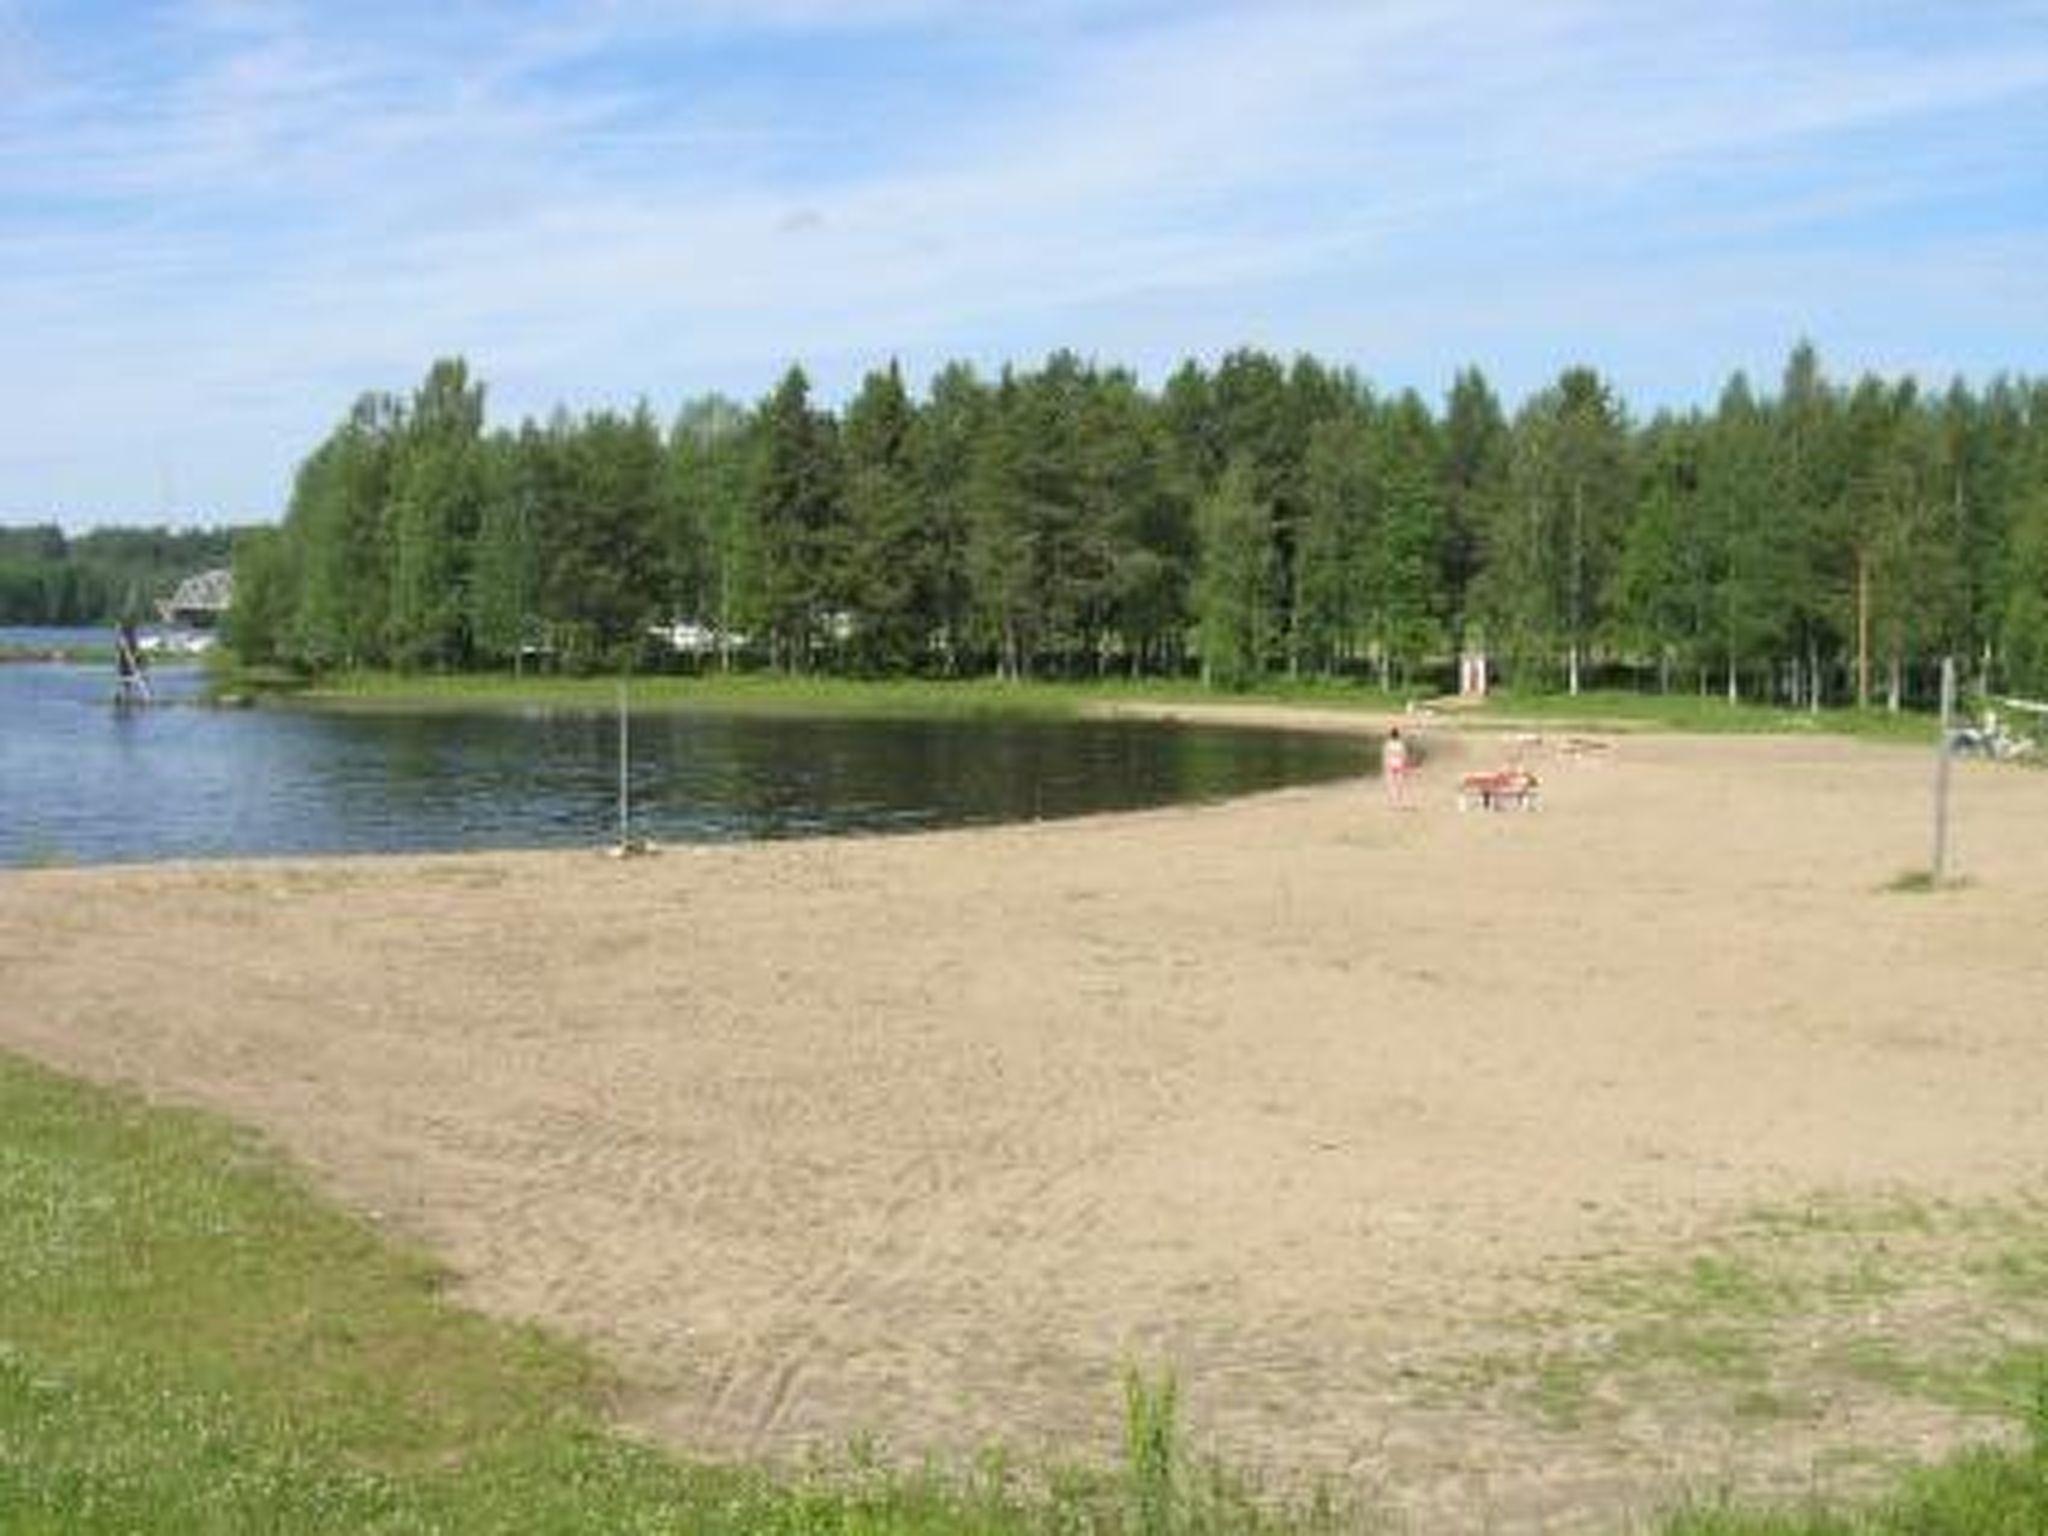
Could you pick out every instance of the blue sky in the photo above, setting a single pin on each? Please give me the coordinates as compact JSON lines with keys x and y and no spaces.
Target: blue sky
{"x":221,"y":220}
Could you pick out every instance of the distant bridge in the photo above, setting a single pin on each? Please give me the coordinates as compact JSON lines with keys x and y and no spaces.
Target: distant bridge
{"x":200,"y":600}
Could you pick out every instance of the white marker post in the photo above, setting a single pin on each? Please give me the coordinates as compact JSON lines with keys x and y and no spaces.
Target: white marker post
{"x":1941,"y":756}
{"x":625,"y":808}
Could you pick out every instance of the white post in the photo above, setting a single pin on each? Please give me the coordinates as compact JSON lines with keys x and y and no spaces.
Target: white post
{"x":1941,"y":756}
{"x":625,"y":815}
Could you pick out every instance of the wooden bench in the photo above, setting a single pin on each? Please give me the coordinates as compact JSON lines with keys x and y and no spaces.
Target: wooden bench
{"x":1499,"y":789}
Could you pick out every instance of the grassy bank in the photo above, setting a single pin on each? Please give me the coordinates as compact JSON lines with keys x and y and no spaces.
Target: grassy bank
{"x":730,"y":693}
{"x":775,"y":693}
{"x":782,"y":694}
{"x":1700,"y":715}
{"x":189,"y":1341}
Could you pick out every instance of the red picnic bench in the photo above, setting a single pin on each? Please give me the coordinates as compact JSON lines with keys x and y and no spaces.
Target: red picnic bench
{"x":1498,"y":789}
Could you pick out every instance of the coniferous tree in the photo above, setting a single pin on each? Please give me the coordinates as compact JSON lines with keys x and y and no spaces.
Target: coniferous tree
{"x":1821,"y":542}
{"x":1403,"y":578}
{"x":713,"y":539}
{"x":1475,"y":459}
{"x":1140,"y":528}
{"x":2023,"y":623}
{"x":1239,"y":579}
{"x":945,"y":442}
{"x":1194,"y":429}
{"x":599,"y":487}
{"x":2023,"y":577}
{"x":1663,"y":587}
{"x":1341,"y":515}
{"x":1050,"y":523}
{"x":505,"y":567}
{"x":437,"y":497}
{"x":887,"y":535}
{"x":1756,"y":545}
{"x":257,"y":624}
{"x":1517,"y":593}
{"x":1910,"y":548}
{"x":337,"y":525}
{"x":1000,"y":555}
{"x":799,"y":521}
{"x":1067,"y":547}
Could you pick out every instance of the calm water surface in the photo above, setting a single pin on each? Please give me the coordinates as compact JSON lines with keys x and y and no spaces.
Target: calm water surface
{"x":82,"y":782}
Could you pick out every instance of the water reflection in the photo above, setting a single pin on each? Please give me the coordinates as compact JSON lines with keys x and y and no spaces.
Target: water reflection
{"x":83,"y":782}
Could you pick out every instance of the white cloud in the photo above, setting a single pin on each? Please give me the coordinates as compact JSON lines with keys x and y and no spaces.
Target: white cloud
{"x":222,"y":250}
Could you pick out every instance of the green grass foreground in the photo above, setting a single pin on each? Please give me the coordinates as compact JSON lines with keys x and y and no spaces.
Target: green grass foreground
{"x":191,"y":1342}
{"x":1977,"y":1493}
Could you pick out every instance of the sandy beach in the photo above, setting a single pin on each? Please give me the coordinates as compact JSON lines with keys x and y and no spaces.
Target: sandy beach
{"x":1306,"y":1097}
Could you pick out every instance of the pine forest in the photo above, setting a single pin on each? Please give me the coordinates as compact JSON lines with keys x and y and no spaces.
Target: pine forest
{"x":1819,"y":542}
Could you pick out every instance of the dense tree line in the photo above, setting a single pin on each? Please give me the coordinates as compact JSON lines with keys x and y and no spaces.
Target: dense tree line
{"x":1824,"y":542}
{"x":100,"y":577}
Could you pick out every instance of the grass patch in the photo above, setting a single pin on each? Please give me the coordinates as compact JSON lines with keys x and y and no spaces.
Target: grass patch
{"x":1817,"y":1320}
{"x":735,"y":693}
{"x":1921,"y":882}
{"x":1609,"y":710}
{"x":1985,"y":1492}
{"x":781,"y":694}
{"x":766,"y":693}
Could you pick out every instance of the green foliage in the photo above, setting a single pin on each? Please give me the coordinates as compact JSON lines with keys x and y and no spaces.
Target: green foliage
{"x":1238,"y":579}
{"x":2023,"y":622}
{"x":1476,"y":453}
{"x":1554,"y":541}
{"x":800,"y":518}
{"x":1819,"y":546}
{"x":1151,"y":1444}
{"x":436,"y":508}
{"x":101,"y":577}
{"x":1979,"y":1493}
{"x":601,"y":508}
{"x":1403,"y":584}
{"x":338,"y":527}
{"x":264,"y":579}
{"x":713,"y":556}
{"x":505,"y":564}
{"x":1340,"y":519}
{"x":887,"y":579}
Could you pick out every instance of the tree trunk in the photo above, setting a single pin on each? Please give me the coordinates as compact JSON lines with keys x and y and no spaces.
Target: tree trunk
{"x":1895,"y":688}
{"x":1571,"y":663}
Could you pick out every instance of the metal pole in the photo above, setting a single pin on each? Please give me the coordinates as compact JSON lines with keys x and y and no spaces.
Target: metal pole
{"x":1941,"y":756}
{"x":624,"y":812}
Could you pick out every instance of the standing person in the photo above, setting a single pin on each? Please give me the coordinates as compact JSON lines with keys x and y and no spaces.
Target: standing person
{"x":130,"y":668}
{"x":1394,"y":767}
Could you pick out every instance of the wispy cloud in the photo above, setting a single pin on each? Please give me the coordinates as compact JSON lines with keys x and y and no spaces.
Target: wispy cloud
{"x":219,"y":219}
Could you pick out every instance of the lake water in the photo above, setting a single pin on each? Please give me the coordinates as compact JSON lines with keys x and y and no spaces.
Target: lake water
{"x":82,"y":782}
